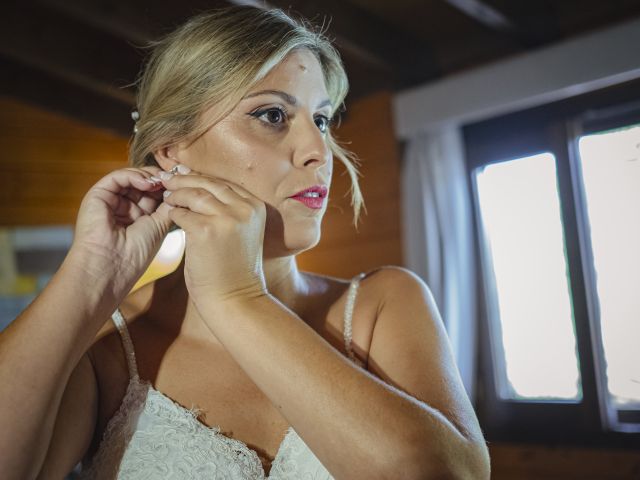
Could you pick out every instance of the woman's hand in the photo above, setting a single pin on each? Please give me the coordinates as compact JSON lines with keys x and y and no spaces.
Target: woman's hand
{"x":121,"y":224}
{"x":224,"y":232}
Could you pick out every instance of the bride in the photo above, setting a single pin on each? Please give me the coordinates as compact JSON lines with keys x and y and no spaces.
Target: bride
{"x":237,"y":365}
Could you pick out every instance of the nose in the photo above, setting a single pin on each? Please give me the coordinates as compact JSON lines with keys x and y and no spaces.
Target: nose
{"x":310,"y":145}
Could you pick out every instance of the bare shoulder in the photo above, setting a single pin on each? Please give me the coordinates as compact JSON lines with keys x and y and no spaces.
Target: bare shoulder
{"x":375,"y":286}
{"x":387,"y":283}
{"x":391,"y":279}
{"x":406,"y":307}
{"x":395,"y":320}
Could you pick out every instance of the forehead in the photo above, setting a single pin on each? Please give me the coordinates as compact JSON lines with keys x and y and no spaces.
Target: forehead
{"x":299,"y":74}
{"x":300,"y":70}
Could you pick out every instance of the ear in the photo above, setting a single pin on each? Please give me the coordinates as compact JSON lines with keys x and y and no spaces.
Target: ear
{"x":166,"y":157}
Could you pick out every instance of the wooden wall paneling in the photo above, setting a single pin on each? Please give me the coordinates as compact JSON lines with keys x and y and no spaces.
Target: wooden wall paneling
{"x":343,"y":261}
{"x":48,"y":162}
{"x":534,"y":462}
{"x":341,"y":223}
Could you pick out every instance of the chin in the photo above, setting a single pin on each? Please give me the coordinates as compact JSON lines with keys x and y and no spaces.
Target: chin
{"x":287,"y":235}
{"x":292,"y":241}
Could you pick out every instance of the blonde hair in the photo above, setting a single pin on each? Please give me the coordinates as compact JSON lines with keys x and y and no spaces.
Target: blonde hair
{"x":215,"y":58}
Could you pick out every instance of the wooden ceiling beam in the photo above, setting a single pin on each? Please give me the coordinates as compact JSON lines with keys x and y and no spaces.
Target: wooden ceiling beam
{"x":68,"y":50}
{"x":485,"y":14}
{"x":120,"y":20}
{"x":53,"y":93}
{"x":530,"y":23}
{"x":360,"y":36}
{"x":365,"y":42}
{"x":139,"y":22}
{"x":80,"y":58}
{"x":537,"y":22}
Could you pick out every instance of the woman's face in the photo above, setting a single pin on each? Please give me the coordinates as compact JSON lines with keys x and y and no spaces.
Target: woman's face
{"x":274,"y":143}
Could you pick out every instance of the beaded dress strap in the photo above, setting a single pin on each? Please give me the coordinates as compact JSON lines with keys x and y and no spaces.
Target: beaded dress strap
{"x":121,"y":325}
{"x":348,"y":315}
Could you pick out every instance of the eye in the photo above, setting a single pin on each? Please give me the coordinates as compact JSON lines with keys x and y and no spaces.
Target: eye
{"x":271,"y":116}
{"x":323,"y":122}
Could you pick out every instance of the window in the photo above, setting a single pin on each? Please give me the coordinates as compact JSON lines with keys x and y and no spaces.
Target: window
{"x":520,"y":212}
{"x":610,"y":168}
{"x":557,"y":211}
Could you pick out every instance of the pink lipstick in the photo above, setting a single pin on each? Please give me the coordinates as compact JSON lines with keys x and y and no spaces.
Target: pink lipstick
{"x":312,"y":197}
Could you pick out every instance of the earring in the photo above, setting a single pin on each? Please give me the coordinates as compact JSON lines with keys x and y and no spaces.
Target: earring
{"x":179,"y":169}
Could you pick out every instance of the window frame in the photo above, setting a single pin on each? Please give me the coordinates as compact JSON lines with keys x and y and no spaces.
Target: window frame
{"x":553,"y":128}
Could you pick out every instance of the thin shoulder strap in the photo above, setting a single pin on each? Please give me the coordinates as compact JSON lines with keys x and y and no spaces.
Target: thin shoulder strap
{"x":348,"y":315}
{"x":121,"y":325}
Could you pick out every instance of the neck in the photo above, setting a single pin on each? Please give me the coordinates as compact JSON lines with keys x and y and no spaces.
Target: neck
{"x":283,"y":279}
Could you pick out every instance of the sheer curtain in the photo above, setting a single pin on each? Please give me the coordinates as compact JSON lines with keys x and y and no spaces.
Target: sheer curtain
{"x":437,"y":235}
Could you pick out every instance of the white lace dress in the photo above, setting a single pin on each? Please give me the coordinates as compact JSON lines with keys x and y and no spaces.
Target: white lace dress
{"x":151,"y":437}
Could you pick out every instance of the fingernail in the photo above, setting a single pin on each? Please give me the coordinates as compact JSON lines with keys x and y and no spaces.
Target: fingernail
{"x":166,"y":193}
{"x":154,"y":180}
{"x":183,"y":169}
{"x":165,"y":176}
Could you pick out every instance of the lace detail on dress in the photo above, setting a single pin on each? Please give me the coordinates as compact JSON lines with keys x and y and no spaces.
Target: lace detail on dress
{"x":296,"y":461}
{"x":152,"y":437}
{"x":348,"y":317}
{"x":117,"y":434}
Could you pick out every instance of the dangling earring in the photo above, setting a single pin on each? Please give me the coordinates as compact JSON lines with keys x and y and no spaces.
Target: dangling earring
{"x":174,"y":170}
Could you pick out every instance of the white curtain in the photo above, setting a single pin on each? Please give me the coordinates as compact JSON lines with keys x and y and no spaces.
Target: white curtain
{"x":437,"y":235}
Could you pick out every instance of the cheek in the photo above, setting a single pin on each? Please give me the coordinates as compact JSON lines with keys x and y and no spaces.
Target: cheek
{"x":246,"y":159}
{"x":227,"y":154}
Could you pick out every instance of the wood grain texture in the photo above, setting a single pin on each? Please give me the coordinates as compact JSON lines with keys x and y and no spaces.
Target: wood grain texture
{"x":528,"y":462}
{"x":48,"y":162}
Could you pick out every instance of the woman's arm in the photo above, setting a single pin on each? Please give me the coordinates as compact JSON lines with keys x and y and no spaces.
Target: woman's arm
{"x":120,"y":226}
{"x":358,"y":425}
{"x":38,"y":353}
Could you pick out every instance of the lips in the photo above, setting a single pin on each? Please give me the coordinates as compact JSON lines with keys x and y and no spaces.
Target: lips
{"x":315,"y":203}
{"x":320,"y":189}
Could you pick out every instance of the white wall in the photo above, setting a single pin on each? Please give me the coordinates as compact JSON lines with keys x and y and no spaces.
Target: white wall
{"x":585,"y":63}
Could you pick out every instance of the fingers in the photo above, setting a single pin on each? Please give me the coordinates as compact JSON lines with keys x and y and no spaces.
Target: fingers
{"x":187,"y":220}
{"x":196,"y":199}
{"x":150,"y":201}
{"x":122,"y":181}
{"x":225,"y":190}
{"x":152,"y":169}
{"x":162,"y":219}
{"x":153,"y":227}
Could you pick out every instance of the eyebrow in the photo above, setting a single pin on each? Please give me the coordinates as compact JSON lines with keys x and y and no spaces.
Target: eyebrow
{"x":290,"y":99}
